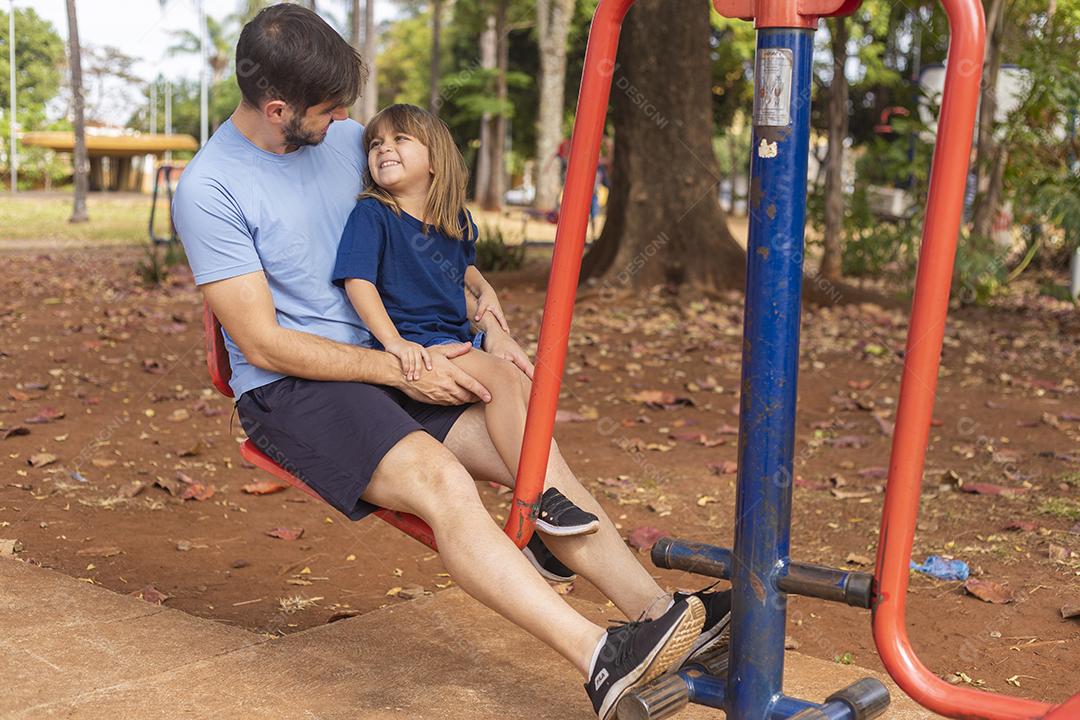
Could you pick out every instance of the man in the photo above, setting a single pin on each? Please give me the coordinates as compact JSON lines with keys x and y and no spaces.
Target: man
{"x":260,"y":211}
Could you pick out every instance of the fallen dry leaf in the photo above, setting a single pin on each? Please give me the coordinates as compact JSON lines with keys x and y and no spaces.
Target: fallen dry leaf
{"x":105,"y":552}
{"x":727,"y":467}
{"x":151,"y":595}
{"x":263,"y":487}
{"x":9,"y":547}
{"x":41,"y":459}
{"x":1021,"y":526}
{"x":286,"y":533}
{"x":989,"y":591}
{"x":661,"y":399}
{"x":1057,"y":553}
{"x":45,"y":415}
{"x":980,"y":488}
{"x":14,"y":432}
{"x":192,"y":451}
{"x":643,"y":538}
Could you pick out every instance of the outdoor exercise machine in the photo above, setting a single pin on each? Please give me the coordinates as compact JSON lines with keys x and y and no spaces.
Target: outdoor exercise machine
{"x":747,"y":684}
{"x":164,"y":183}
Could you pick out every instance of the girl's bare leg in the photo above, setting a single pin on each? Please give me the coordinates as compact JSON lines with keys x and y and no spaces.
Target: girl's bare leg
{"x":602,"y":558}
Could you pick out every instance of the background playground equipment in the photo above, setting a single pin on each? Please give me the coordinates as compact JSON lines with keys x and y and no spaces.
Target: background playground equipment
{"x":117,"y":162}
{"x":748,"y":684}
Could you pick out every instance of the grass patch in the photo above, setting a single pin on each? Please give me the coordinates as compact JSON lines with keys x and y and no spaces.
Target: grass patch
{"x":41,"y":218}
{"x":1062,"y":508}
{"x":1070,"y":479}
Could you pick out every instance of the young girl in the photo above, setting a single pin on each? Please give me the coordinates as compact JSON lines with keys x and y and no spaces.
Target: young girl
{"x":406,"y":260}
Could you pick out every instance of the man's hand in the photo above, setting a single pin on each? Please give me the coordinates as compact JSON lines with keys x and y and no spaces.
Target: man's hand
{"x":446,"y":383}
{"x":500,"y":344}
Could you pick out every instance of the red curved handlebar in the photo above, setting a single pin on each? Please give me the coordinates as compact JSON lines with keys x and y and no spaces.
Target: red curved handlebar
{"x":940,"y":232}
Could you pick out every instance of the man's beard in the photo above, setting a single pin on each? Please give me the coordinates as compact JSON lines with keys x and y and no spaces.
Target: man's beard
{"x":295,"y":134}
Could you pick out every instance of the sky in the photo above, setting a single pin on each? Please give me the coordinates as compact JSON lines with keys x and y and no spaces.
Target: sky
{"x":141,"y":29}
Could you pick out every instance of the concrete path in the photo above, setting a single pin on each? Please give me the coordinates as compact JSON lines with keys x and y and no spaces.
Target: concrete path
{"x":72,"y":650}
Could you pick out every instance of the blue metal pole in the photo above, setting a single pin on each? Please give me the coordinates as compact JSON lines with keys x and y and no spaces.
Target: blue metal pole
{"x":770,"y":367}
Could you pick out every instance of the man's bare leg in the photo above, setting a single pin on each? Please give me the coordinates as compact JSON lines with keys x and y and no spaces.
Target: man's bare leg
{"x":420,"y":476}
{"x":602,"y":558}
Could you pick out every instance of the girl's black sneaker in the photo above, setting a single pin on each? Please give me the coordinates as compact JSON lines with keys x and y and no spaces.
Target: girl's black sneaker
{"x":545,"y":561}
{"x":559,"y":516}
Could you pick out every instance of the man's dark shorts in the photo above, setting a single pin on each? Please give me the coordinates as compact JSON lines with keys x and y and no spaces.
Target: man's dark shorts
{"x":332,"y":435}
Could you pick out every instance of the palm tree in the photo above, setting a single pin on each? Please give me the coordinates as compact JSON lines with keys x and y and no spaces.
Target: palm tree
{"x":219,"y":51}
{"x":80,"y":160}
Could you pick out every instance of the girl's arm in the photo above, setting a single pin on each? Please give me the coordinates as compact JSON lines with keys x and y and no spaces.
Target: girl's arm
{"x":369,"y":306}
{"x":486,"y":298}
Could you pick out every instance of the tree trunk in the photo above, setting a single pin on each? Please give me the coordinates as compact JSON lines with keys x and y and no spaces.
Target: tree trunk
{"x":664,"y":221}
{"x":552,"y":28}
{"x":371,"y":92}
{"x":80,"y":159}
{"x":435,"y":73}
{"x":831,"y":268}
{"x":496,"y":187}
{"x":356,"y":39}
{"x":488,"y":60}
{"x":988,"y":167}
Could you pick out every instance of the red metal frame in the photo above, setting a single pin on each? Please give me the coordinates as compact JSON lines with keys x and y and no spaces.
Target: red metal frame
{"x":941,"y":230}
{"x":217,"y":363}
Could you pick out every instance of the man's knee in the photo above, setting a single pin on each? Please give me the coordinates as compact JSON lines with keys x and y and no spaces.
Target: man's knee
{"x":419,"y":474}
{"x":448,"y":487}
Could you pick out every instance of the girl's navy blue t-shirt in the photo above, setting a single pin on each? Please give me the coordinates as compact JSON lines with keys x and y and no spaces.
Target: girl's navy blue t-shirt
{"x":420,"y":276}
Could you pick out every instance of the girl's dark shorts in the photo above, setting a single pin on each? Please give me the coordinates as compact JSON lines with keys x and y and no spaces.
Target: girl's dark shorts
{"x":332,"y":435}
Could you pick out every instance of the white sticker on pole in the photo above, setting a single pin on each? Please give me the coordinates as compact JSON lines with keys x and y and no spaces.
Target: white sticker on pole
{"x":772,"y":99}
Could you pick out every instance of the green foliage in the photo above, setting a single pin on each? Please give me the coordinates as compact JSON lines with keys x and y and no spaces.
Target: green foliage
{"x":405,"y":61}
{"x":732,"y":49}
{"x":1061,"y":508}
{"x":494,"y":255}
{"x":39,"y":58}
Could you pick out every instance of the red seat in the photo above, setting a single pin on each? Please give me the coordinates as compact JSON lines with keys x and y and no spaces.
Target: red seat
{"x":217,"y":362}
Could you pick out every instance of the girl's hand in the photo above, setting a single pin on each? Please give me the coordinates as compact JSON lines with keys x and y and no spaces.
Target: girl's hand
{"x":413,"y":356}
{"x":488,"y":301}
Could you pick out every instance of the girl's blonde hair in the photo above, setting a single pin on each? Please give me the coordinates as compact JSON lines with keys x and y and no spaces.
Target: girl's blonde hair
{"x":445,"y":207}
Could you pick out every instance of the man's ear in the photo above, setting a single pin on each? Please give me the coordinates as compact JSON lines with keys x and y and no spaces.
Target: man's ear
{"x":276,"y":111}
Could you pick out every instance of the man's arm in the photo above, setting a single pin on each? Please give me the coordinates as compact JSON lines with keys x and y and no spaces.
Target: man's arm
{"x":245,"y":308}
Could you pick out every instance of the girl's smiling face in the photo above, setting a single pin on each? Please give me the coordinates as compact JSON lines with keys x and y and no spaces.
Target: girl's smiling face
{"x":398,"y":162}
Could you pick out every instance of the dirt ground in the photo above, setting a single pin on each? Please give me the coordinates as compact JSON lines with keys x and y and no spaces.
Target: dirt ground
{"x":106,"y":411}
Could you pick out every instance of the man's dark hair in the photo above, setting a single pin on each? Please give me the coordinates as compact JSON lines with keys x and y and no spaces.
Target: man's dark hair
{"x":289,"y":53}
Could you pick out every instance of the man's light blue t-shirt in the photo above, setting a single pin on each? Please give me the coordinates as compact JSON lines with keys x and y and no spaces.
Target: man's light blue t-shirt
{"x":240,"y":209}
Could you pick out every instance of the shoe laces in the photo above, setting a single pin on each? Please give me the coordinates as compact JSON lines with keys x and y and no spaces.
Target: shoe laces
{"x":623,"y":641}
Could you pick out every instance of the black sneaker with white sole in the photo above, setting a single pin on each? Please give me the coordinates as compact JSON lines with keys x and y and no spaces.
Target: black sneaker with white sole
{"x":545,"y":562}
{"x":559,"y":516}
{"x":635,"y":653}
{"x":717,"y":618}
